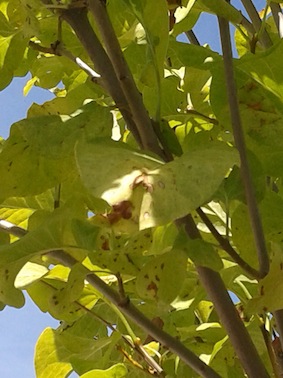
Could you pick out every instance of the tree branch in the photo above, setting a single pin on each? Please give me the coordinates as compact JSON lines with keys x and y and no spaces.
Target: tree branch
{"x":231,"y":321}
{"x":192,"y":37}
{"x":78,"y":20}
{"x":57,"y":49}
{"x":12,"y":229}
{"x":247,"y":25}
{"x":240,"y":144}
{"x":264,"y":38}
{"x":125,"y":77}
{"x":226,"y":311}
{"x":275,"y":10}
{"x":227,"y":247}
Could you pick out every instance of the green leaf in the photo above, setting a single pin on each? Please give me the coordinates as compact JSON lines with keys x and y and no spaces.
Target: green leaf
{"x":183,"y":54}
{"x":123,"y":20}
{"x":270,"y":288}
{"x":9,"y":295}
{"x":202,"y":253}
{"x":265,"y":69}
{"x":29,"y":273}
{"x":6,"y":29}
{"x":161,"y":279}
{"x":61,"y":301}
{"x":154,"y":33}
{"x":208,"y":332}
{"x":156,"y":29}
{"x":61,"y":293}
{"x":43,"y":201}
{"x":122,"y":166}
{"x":56,"y":370}
{"x":69,"y":104}
{"x":271,"y":208}
{"x":121,"y":252}
{"x":12,"y":51}
{"x":37,"y":145}
{"x":54,"y":347}
{"x":53,"y":233}
{"x":164,"y":194}
{"x":204,"y":310}
{"x":163,"y":239}
{"x":116,"y":371}
{"x":223,"y":360}
{"x":42,"y":148}
{"x":172,"y":98}
{"x":186,"y":17}
{"x":221,"y":8}
{"x":85,"y":234}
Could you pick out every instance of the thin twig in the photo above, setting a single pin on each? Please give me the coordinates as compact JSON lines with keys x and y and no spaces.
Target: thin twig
{"x":209,"y":119}
{"x":192,"y":37}
{"x":256,"y":224}
{"x":59,"y":50}
{"x":247,"y":25}
{"x":277,"y":369}
{"x":264,"y":38}
{"x":275,"y":10}
{"x":12,"y":229}
{"x":227,"y":247}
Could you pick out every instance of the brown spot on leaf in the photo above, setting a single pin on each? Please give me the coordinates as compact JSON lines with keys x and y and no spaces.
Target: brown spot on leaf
{"x":120,"y":210}
{"x":262,"y":290}
{"x":152,"y":286}
{"x":105,"y":245}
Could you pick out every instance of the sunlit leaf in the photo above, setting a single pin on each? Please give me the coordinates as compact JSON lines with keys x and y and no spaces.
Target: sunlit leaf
{"x":269,"y":296}
{"x":168,"y":192}
{"x":66,"y":350}
{"x":29,"y":273}
{"x":116,"y":371}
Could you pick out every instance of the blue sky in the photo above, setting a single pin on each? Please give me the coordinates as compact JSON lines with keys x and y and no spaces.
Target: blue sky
{"x":21,"y":328}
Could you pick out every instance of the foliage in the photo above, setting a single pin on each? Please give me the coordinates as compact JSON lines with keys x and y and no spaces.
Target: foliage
{"x":147,"y":189}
